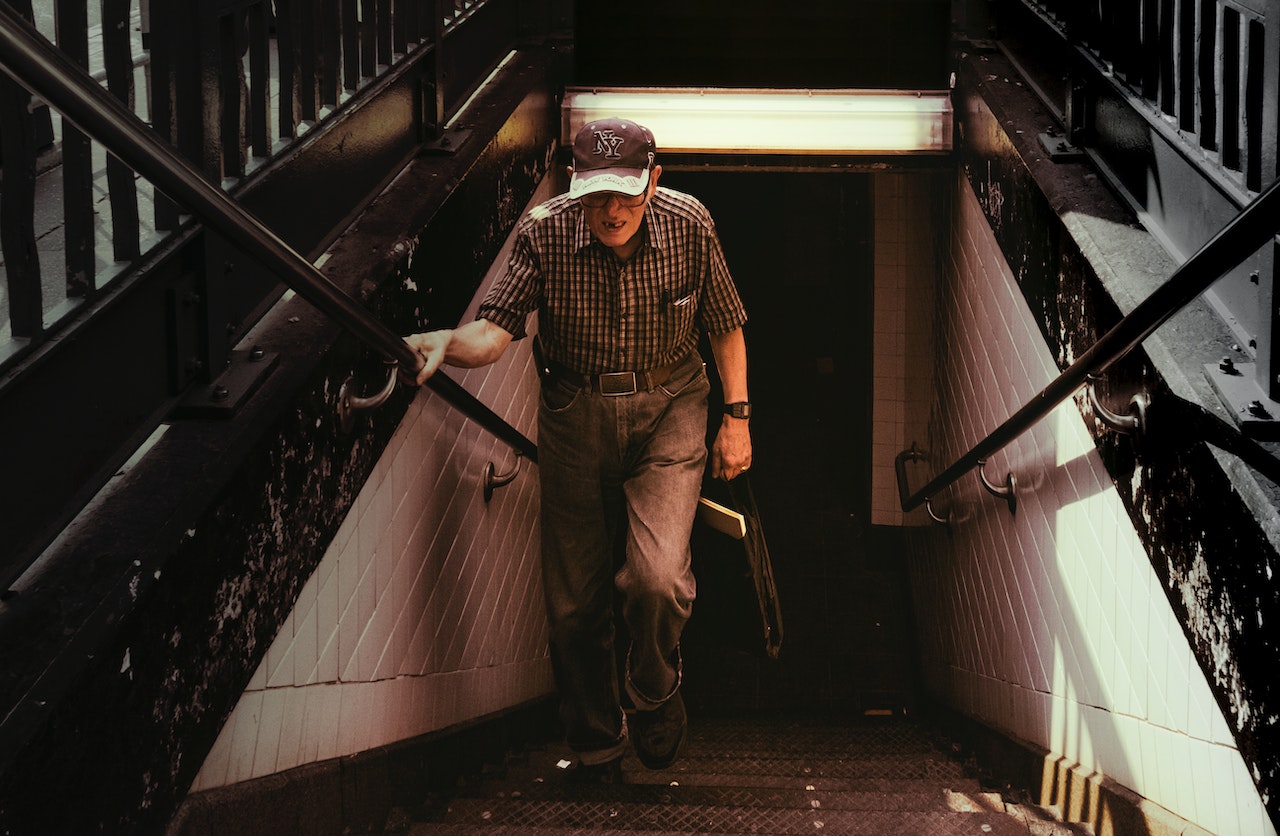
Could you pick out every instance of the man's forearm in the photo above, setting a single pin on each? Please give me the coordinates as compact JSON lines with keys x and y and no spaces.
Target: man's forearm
{"x":478,"y":343}
{"x":730,"y":352}
{"x":472,"y":345}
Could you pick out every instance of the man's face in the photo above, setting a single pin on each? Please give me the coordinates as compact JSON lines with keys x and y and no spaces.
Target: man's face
{"x":615,"y":223}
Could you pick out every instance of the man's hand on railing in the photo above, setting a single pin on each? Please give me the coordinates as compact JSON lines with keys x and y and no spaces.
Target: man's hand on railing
{"x":478,"y":343}
{"x":432,"y":346}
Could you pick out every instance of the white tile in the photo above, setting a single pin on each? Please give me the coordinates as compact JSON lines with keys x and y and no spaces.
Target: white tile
{"x":1226,"y":768}
{"x":348,"y":572}
{"x":244,"y":736}
{"x":1151,"y":762}
{"x":267,"y":750}
{"x":1158,"y":664}
{"x":327,"y":660}
{"x":1202,"y":708}
{"x":281,"y":655}
{"x":1172,"y":766}
{"x":1188,"y":753}
{"x":292,"y":717}
{"x":357,"y":717}
{"x":1123,"y":761}
{"x":323,"y":722}
{"x":350,"y":629}
{"x":306,"y":649}
{"x":1177,"y":687}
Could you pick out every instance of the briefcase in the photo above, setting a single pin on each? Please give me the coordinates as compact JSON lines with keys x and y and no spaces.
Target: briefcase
{"x":737,"y":601}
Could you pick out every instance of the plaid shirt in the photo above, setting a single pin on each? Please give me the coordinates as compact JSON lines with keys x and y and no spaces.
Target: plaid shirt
{"x":598,"y":314}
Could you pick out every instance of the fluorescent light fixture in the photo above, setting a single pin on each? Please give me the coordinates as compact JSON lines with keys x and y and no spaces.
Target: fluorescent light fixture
{"x":722,"y":120}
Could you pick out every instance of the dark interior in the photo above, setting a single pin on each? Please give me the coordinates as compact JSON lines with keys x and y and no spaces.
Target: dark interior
{"x":800,"y":247}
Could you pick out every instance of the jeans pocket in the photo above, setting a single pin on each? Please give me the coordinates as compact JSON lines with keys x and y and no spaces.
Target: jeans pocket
{"x":558,"y":396}
{"x":684,"y":378}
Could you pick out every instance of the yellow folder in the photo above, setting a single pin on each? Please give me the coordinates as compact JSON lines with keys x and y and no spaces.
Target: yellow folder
{"x":722,"y":519}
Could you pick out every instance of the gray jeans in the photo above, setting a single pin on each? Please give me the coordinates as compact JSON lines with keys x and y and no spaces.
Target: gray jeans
{"x":620,"y":475}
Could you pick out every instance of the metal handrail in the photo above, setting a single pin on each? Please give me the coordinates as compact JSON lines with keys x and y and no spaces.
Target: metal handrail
{"x":1243,"y":235}
{"x":35,"y":64}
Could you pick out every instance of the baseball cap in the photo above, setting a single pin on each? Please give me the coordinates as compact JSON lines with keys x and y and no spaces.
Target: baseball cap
{"x":611,"y":155}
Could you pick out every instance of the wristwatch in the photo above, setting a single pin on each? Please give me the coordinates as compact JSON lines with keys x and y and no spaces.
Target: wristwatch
{"x":741,"y":409}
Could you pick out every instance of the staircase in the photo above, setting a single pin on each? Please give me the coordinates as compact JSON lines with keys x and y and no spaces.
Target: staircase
{"x":875,"y":775}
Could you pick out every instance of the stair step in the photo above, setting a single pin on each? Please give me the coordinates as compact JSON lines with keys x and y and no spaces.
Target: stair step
{"x":532,"y":783}
{"x":914,"y":797}
{"x":864,"y":737}
{"x":863,"y":778}
{"x":698,"y":767}
{"x":612,"y":816}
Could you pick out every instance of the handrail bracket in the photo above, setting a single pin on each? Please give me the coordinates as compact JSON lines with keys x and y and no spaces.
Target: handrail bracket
{"x":351,"y":404}
{"x":914,"y":454}
{"x":1007,"y":491}
{"x":1133,"y":423}
{"x":494,"y":480}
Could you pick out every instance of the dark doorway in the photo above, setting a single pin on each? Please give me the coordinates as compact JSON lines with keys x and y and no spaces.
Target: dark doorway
{"x":800,"y":247}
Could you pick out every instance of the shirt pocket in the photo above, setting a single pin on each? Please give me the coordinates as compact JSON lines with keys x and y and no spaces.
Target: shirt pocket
{"x":679,"y":308}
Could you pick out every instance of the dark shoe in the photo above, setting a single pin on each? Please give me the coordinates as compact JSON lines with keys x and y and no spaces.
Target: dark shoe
{"x":657,"y":734}
{"x":609,"y":772}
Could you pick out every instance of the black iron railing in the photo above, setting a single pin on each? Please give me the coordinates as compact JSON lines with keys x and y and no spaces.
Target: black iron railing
{"x":230,"y":84}
{"x":1202,"y":65}
{"x":1253,"y":227}
{"x":37,"y":66}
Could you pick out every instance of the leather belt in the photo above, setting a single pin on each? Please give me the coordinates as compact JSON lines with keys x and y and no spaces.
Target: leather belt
{"x":614,"y":384}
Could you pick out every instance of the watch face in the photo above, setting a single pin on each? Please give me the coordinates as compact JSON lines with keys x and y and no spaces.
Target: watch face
{"x":738,"y":410}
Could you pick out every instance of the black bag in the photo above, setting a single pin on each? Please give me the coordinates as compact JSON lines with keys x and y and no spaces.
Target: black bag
{"x":737,"y":601}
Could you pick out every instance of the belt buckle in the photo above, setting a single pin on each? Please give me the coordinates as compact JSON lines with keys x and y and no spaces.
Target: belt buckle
{"x":618,"y":383}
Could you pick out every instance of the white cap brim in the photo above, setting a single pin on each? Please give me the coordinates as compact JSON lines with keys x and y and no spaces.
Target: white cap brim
{"x":621,"y":180}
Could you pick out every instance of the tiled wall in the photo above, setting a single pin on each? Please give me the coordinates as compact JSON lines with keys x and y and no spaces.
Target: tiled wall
{"x":427,"y":608}
{"x":1049,"y":624}
{"x":908,"y":211}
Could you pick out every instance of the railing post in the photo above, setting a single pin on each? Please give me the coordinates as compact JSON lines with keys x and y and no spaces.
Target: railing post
{"x":77,"y":163}
{"x":435,"y":123}
{"x":17,"y":231}
{"x":1268,"y":357}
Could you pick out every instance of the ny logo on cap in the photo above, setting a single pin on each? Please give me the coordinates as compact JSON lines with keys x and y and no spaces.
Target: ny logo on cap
{"x":608,"y":143}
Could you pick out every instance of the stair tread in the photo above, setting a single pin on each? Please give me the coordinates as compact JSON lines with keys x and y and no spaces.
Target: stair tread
{"x":738,"y":775}
{"x":692,"y":818}
{"x":797,"y":767}
{"x":919,"y":797}
{"x":544,"y":785}
{"x":879,"y":735}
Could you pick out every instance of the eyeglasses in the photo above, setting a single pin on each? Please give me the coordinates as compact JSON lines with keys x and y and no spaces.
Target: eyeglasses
{"x":598,"y":200}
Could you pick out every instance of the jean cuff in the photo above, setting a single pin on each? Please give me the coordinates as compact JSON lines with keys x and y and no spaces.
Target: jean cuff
{"x":643,"y":702}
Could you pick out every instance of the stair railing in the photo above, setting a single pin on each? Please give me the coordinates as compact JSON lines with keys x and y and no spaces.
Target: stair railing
{"x":35,"y":64}
{"x":1246,"y":233}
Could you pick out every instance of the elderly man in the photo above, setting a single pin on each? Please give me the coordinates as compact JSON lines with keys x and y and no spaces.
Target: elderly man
{"x":624,"y":276}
